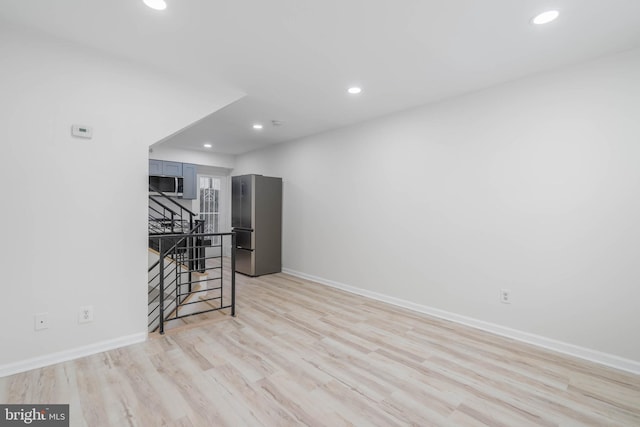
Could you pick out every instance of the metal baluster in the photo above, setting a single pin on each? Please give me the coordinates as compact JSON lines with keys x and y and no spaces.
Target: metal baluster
{"x":161,"y":266}
{"x":233,"y":274}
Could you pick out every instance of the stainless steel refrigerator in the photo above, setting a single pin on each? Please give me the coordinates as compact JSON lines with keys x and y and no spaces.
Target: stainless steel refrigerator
{"x":256,"y":217}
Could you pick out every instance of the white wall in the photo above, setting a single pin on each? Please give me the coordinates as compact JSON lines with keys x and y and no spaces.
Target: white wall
{"x":532,"y":186}
{"x":78,"y":236}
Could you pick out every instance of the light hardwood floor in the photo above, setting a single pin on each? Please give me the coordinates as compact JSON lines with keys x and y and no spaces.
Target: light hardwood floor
{"x":299,"y":353}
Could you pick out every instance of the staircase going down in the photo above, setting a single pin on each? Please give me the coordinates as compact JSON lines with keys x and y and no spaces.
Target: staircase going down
{"x":190,"y":272}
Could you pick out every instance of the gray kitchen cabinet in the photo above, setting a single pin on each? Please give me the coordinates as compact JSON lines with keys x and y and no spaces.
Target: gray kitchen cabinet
{"x":164,"y":168}
{"x":155,"y":167}
{"x":189,"y":182}
{"x":171,"y":168}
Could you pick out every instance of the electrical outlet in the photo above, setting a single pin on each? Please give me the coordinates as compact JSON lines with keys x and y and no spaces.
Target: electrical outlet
{"x":505,"y":296}
{"x":41,"y":321}
{"x":85,"y":315}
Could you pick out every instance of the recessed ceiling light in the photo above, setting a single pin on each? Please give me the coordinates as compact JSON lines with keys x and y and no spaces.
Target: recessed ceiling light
{"x":156,"y":4}
{"x":207,"y":145}
{"x":545,"y":17}
{"x":354,"y":90}
{"x":257,"y":126}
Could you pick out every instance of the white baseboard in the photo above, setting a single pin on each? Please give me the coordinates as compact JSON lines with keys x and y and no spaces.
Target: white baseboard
{"x":66,"y":355}
{"x":606,"y":359}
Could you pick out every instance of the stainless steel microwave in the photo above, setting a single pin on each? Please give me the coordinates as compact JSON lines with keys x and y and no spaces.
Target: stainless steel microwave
{"x":168,"y":185}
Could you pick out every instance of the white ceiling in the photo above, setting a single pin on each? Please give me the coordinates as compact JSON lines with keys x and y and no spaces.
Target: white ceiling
{"x":295,"y":58}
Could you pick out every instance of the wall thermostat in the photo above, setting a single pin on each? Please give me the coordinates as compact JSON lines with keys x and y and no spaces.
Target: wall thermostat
{"x":82,"y":131}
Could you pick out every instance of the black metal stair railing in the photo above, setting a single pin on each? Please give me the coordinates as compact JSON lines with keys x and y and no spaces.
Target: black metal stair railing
{"x":166,"y":216}
{"x":191,"y":279}
{"x":194,"y":271}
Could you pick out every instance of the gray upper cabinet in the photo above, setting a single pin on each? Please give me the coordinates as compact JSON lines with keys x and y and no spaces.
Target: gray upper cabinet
{"x":171,"y":169}
{"x":155,"y":167}
{"x":189,"y":183}
{"x":161,"y":167}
